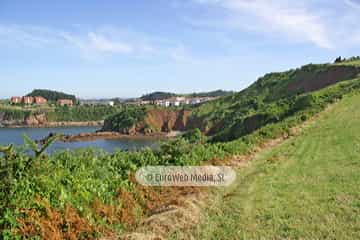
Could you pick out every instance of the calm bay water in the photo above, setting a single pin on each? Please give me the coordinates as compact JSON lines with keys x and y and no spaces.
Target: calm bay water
{"x":14,"y":136}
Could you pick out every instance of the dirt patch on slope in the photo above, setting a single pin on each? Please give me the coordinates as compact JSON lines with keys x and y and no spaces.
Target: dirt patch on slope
{"x":167,"y":120}
{"x":309,"y":81}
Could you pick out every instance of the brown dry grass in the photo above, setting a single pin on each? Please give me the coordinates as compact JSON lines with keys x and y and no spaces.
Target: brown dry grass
{"x":52,"y":224}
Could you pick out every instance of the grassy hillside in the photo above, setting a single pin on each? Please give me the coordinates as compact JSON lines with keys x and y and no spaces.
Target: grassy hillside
{"x":272,"y":98}
{"x":308,"y":188}
{"x":268,"y":100}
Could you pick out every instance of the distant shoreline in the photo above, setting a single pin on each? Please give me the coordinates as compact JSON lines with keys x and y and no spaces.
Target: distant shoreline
{"x":93,"y":136}
{"x":54,"y":124}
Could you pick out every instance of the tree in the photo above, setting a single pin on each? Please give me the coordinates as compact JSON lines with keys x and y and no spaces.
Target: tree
{"x":52,"y":96}
{"x":338,"y":60}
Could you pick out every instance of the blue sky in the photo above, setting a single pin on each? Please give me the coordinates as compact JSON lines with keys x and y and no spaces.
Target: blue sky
{"x":112,"y":48}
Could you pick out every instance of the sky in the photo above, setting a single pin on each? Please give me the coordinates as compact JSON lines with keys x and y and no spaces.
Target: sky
{"x":127,"y":48}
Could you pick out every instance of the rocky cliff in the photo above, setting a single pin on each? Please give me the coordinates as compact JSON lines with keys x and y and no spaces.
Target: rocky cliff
{"x":40,"y":120}
{"x":151,"y":121}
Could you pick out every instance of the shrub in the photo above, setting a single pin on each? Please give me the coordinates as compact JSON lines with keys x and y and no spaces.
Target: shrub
{"x":194,"y":136}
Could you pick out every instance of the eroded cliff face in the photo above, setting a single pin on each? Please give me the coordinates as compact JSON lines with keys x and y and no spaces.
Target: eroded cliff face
{"x":155,"y":121}
{"x":6,"y":120}
{"x":167,"y":120}
{"x":312,"y":81}
{"x":30,"y":120}
{"x":40,"y":120}
{"x":36,"y":119}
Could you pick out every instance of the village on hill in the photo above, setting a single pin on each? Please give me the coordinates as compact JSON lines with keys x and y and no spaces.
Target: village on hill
{"x":39,"y":100}
{"x":162,"y":99}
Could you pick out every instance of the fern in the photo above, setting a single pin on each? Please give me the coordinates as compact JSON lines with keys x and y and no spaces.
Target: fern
{"x":7,"y":150}
{"x":34,"y":146}
{"x":48,"y":143}
{"x":30,"y":143}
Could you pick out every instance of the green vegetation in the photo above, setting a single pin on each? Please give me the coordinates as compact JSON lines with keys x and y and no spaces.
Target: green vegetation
{"x":124,"y":120}
{"x":307,"y":188}
{"x":51,"y":96}
{"x":157,"y":96}
{"x":216,"y":93}
{"x":82,"y":113}
{"x":13,"y":113}
{"x":35,"y":187}
{"x":353,"y":61}
{"x":272,"y":98}
{"x":195,"y":136}
{"x":164,"y":95}
{"x":88,"y":192}
{"x":59,"y":113}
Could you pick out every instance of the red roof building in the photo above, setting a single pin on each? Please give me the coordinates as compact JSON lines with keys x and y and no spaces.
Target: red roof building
{"x":16,"y":100}
{"x":65,"y":102}
{"x":28,"y":100}
{"x":40,"y":100}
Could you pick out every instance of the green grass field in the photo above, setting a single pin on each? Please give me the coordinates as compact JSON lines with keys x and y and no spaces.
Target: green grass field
{"x":306,"y":188}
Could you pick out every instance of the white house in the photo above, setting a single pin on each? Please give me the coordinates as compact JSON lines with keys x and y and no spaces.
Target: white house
{"x":195,"y":101}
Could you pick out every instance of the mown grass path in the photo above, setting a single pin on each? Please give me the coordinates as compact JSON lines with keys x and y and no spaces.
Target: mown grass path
{"x":306,"y":188}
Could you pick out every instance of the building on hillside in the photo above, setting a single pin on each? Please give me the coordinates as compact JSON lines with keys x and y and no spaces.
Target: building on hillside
{"x":195,"y":101}
{"x":174,"y":102}
{"x":134,"y":102}
{"x":28,"y":100}
{"x":145,"y":102}
{"x":177,"y":101}
{"x":94,"y":102}
{"x":163,"y":103}
{"x":157,"y":102}
{"x":16,"y":100}
{"x":40,"y":100}
{"x":65,"y":102}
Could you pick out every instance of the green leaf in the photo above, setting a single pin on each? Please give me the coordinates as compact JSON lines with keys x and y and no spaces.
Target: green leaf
{"x":30,"y":143}
{"x":48,"y":143}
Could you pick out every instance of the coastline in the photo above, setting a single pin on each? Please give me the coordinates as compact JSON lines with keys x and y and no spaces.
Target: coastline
{"x":89,"y":136}
{"x":85,"y":137}
{"x":93,"y":136}
{"x":54,"y":124}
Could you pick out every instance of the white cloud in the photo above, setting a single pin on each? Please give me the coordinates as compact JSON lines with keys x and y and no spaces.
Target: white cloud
{"x":97,"y":43}
{"x":103,"y":44}
{"x":91,"y":43}
{"x":285,"y":17}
